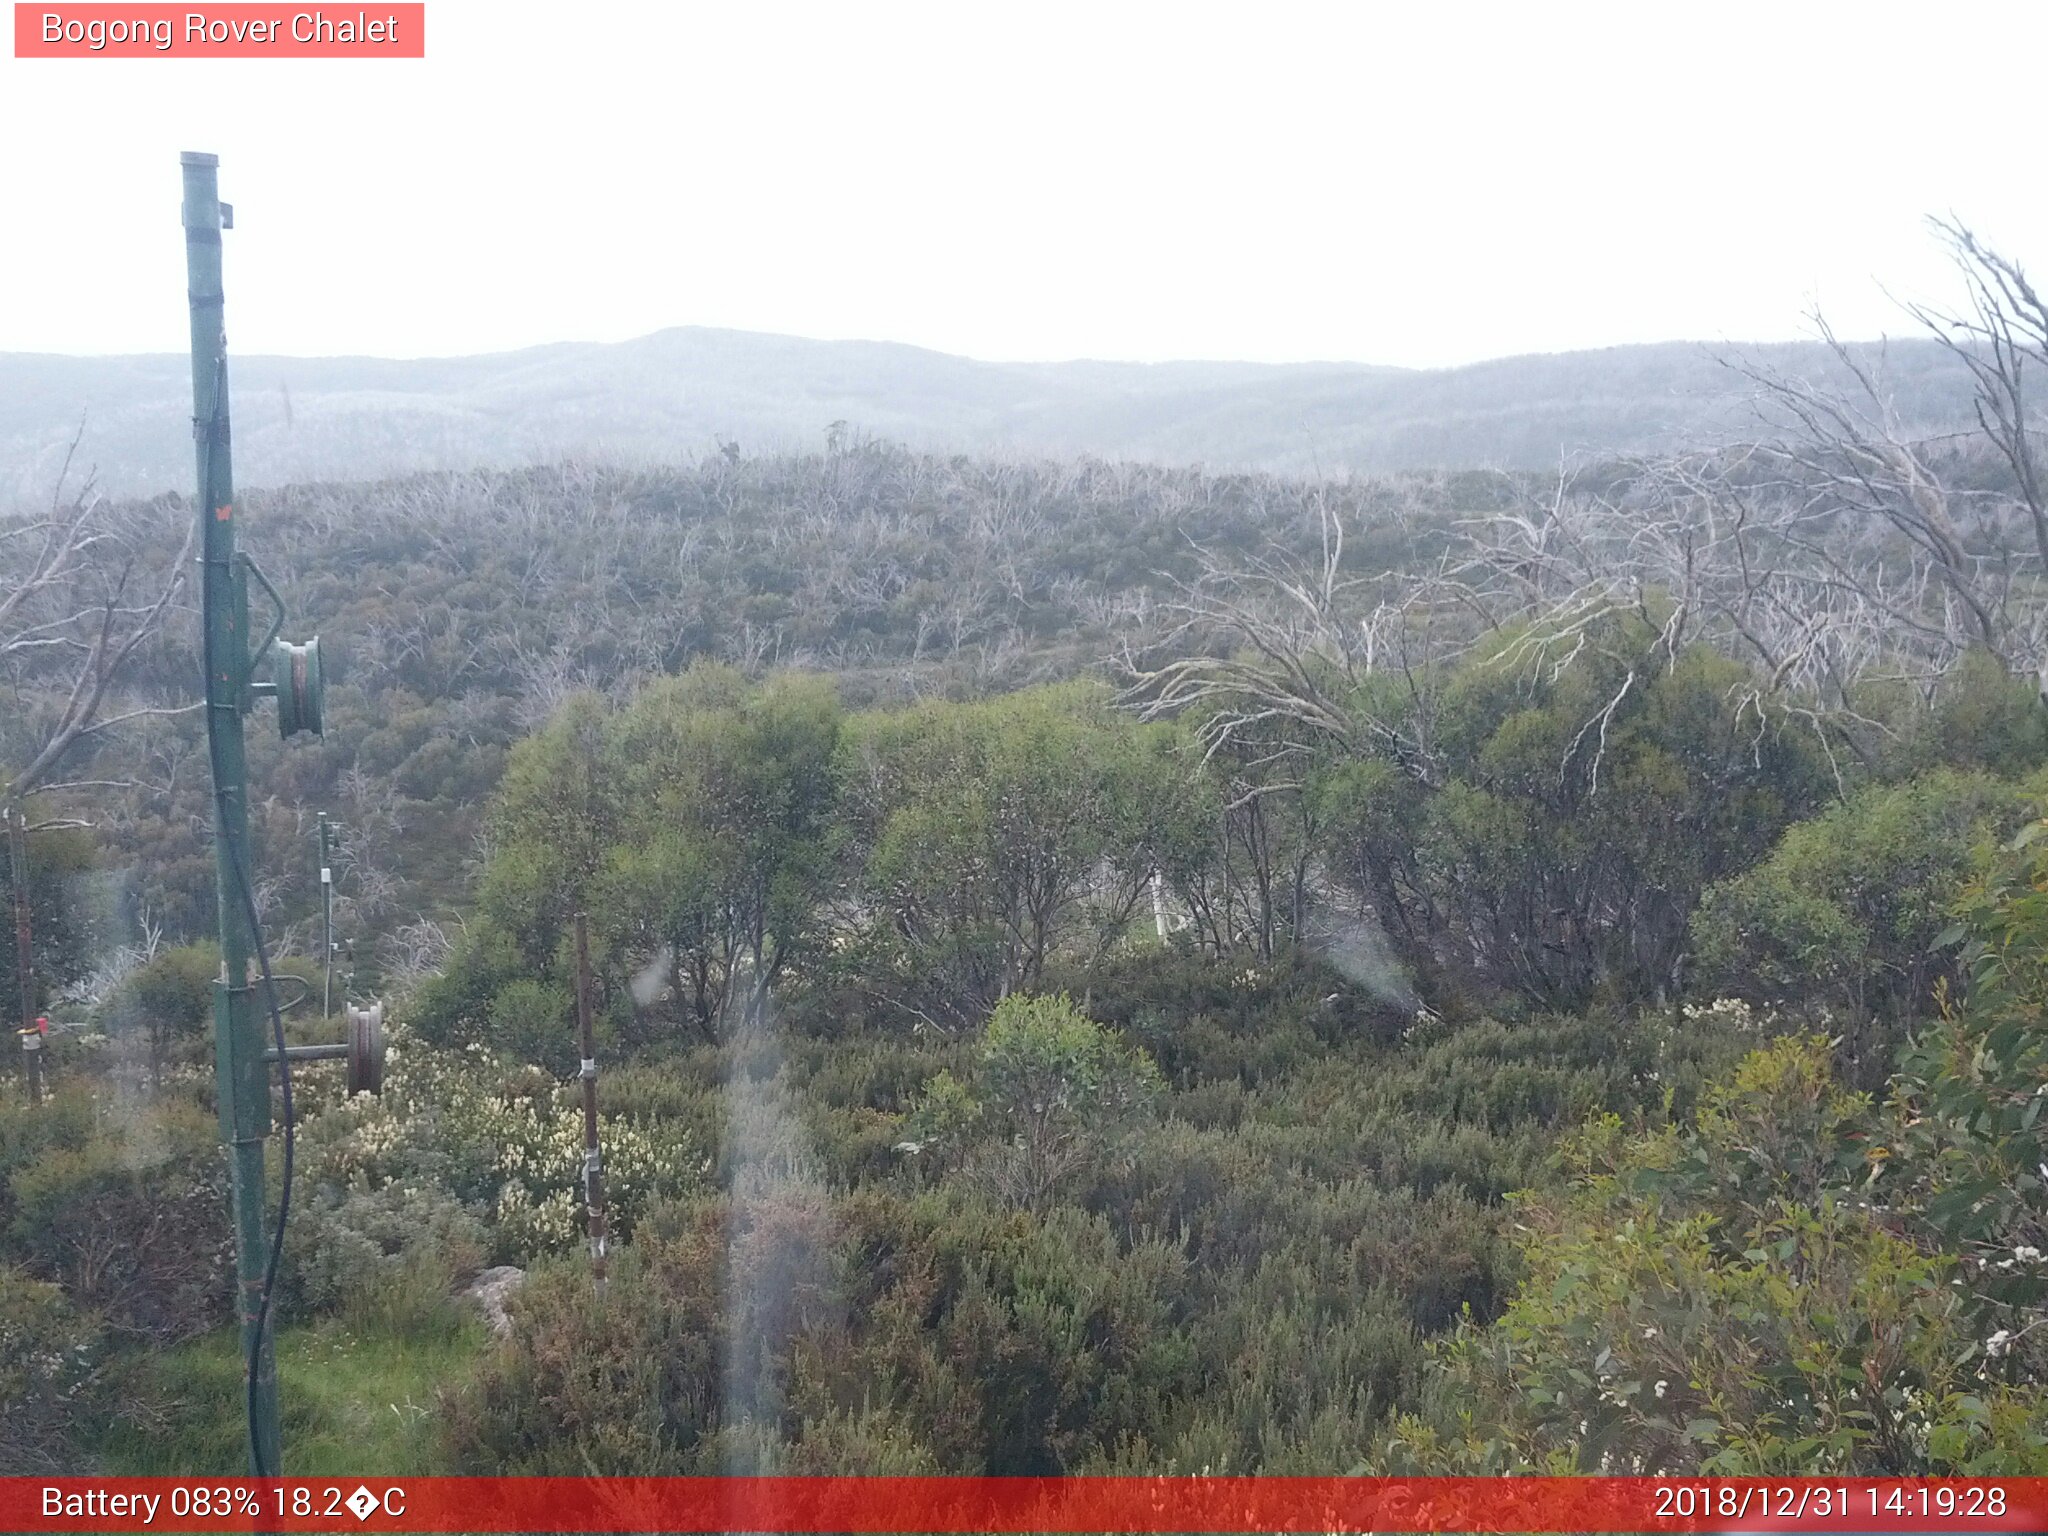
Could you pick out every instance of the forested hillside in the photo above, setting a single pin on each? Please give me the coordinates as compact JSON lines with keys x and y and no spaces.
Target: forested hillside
{"x":1096,"y":967}
{"x":458,"y":612}
{"x":679,"y":394}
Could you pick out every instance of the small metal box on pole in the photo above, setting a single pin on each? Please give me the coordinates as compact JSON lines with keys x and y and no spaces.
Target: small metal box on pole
{"x":32,"y":1058}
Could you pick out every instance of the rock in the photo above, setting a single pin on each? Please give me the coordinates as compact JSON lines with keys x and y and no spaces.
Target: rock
{"x":490,"y":1291}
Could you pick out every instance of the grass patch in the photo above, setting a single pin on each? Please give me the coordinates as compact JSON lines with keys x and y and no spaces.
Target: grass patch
{"x":354,"y":1404}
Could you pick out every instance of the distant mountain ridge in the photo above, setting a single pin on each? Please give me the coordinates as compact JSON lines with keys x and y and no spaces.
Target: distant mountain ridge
{"x":681,"y":393}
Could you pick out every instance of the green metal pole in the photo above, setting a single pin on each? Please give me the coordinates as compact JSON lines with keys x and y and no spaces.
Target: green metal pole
{"x":238,"y":1039}
{"x":326,"y":919}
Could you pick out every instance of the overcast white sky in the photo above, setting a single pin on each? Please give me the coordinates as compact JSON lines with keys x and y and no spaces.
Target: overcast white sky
{"x":1422,"y":183}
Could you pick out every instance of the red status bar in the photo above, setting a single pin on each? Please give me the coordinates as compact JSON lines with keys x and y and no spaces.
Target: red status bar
{"x":1023,"y":1504}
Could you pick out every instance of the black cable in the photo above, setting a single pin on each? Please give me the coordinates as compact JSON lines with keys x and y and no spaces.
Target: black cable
{"x":238,"y":862}
{"x":284,"y":1074}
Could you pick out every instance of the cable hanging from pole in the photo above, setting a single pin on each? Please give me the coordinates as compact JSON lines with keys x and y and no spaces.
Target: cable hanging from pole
{"x":213,"y":436}
{"x":295,"y":681}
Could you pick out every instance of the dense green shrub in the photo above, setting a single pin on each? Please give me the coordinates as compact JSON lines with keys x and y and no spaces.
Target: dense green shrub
{"x":1051,"y":1091}
{"x":629,"y":1382}
{"x":132,"y":1221}
{"x":1589,"y":807}
{"x":166,"y":1004}
{"x":385,"y":1258}
{"x":1845,"y":911}
{"x":64,"y":1121}
{"x":1983,"y":717}
{"x":532,"y":1020}
{"x":1963,"y":1144}
{"x":983,"y":833}
{"x":67,"y":940}
{"x":1717,"y":1302}
{"x":48,"y":1353}
{"x":724,"y":868}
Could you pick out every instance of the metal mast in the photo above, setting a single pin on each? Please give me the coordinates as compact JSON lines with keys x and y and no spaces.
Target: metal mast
{"x":238,"y":1039}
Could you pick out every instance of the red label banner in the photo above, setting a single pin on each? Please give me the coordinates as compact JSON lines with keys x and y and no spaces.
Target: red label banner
{"x":1023,"y":1504}
{"x":376,"y":31}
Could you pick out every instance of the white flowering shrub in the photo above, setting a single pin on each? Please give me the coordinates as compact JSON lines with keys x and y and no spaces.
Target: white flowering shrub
{"x":1730,"y":1013}
{"x":507,"y":1142}
{"x":47,"y":1353}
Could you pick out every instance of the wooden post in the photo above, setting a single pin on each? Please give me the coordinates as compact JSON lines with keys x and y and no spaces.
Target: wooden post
{"x":326,"y":918}
{"x":593,"y":1161}
{"x":24,"y":952}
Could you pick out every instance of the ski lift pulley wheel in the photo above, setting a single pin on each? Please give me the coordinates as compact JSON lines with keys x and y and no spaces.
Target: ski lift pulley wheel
{"x":366,"y":1049}
{"x":296,"y":674}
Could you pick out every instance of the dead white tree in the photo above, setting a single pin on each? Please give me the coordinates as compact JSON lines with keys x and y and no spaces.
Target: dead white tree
{"x":2002,"y":339}
{"x":1845,"y":469}
{"x":83,"y":588}
{"x":1838,"y":549}
{"x":1269,"y":652}
{"x":1827,"y":556}
{"x":414,"y":951}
